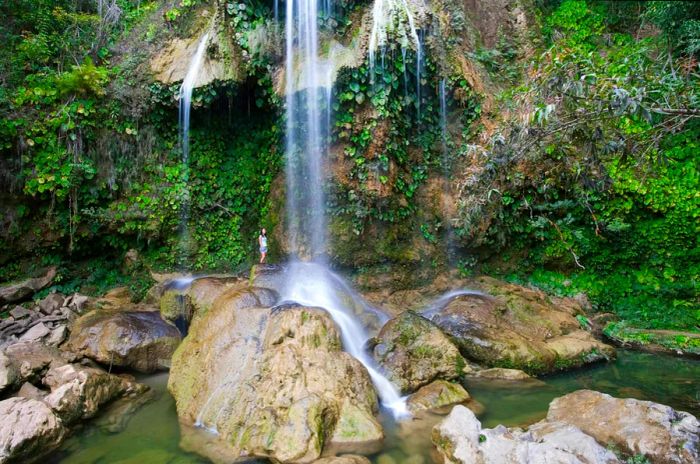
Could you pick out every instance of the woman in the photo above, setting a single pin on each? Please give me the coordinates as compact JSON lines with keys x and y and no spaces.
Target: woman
{"x":262,"y":241}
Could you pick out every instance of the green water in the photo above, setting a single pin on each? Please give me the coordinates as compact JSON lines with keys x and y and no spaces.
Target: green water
{"x":153,"y":434}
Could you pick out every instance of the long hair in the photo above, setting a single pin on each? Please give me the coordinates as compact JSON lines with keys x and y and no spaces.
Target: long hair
{"x":263,"y":232}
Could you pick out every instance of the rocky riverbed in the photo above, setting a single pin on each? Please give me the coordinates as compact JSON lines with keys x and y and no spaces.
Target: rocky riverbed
{"x":258,"y":377}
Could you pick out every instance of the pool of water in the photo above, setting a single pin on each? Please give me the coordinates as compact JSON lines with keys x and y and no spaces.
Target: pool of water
{"x":153,"y":434}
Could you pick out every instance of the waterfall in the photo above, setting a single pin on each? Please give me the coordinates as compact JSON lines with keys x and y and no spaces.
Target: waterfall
{"x":308,"y":110}
{"x":185,"y":105}
{"x":443,"y":117}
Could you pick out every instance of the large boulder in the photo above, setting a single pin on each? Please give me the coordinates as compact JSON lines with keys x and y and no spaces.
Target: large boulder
{"x":78,"y":392}
{"x":460,"y":439}
{"x":414,"y":352}
{"x":516,"y":327}
{"x":139,"y":340}
{"x":29,"y":429}
{"x":436,"y":395}
{"x":20,"y":291}
{"x":656,"y":431}
{"x":271,"y":382}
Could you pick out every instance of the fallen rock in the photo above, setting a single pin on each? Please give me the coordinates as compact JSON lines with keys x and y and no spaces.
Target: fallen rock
{"x":517,"y":327}
{"x":414,"y":352}
{"x":656,"y":431}
{"x":57,"y":336}
{"x":78,"y":392}
{"x":139,"y":340}
{"x":36,"y":333}
{"x":32,"y":359}
{"x":460,"y":439}
{"x":21,"y":291}
{"x":51,"y":303}
{"x":19,"y":312}
{"x":292,"y":393}
{"x":28,"y":430}
{"x":436,"y":395}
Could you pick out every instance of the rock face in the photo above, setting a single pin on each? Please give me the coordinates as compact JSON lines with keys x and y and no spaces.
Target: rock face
{"x":636,"y":427}
{"x":460,"y":439}
{"x":272,"y":382}
{"x":520,"y":328}
{"x":437,"y":395}
{"x":28,"y":430}
{"x":140,"y":340}
{"x":25,"y":289}
{"x":414,"y":352}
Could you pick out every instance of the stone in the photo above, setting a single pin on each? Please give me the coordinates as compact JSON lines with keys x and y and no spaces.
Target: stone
{"x":414,"y":352}
{"x":517,"y":327}
{"x":654,"y":430}
{"x":32,"y":359}
{"x":28,"y":390}
{"x":77,"y":302}
{"x":293,"y":391}
{"x":57,"y":336}
{"x":21,"y":291}
{"x":51,"y":303}
{"x":37,"y":332}
{"x":345,"y":459}
{"x":459,"y":438}
{"x":498,"y":373}
{"x":139,"y":340}
{"x":436,"y":395}
{"x":29,"y":429}
{"x":9,"y":372}
{"x":78,"y":392}
{"x":19,"y":312}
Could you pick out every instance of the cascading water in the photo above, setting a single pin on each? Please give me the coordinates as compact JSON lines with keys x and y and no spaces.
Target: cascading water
{"x":308,"y":107}
{"x":185,"y":105}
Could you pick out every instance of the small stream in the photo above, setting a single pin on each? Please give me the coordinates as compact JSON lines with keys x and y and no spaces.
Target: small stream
{"x":153,"y":434}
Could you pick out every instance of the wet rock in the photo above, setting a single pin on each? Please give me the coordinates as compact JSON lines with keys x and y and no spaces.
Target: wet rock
{"x":28,"y":390}
{"x":635,"y":427}
{"x":139,"y":340}
{"x":345,"y":459}
{"x":78,"y":392}
{"x":293,"y":391}
{"x":460,"y":439}
{"x":414,"y":352}
{"x":519,"y":327}
{"x":498,"y":373}
{"x":28,"y":430}
{"x":436,"y":395}
{"x":37,"y":332}
{"x":24,"y":290}
{"x":51,"y":303}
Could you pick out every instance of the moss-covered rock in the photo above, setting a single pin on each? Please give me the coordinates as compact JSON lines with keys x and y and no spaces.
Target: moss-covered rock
{"x":436,"y":395}
{"x":414,"y":352}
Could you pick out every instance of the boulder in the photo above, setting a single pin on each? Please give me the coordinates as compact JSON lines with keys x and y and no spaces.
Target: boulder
{"x":656,"y":431}
{"x":414,"y":352}
{"x":28,"y":390}
{"x":21,"y":291}
{"x":57,"y":336}
{"x":78,"y":392}
{"x":32,"y":359}
{"x":436,"y":395}
{"x":20,"y":312}
{"x":459,"y":438}
{"x":139,"y":340}
{"x":9,"y":372}
{"x":51,"y":303}
{"x":516,"y":327}
{"x":29,"y":429}
{"x":293,"y":390}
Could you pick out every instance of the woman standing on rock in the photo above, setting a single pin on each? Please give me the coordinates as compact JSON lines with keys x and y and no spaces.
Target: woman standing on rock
{"x":262,"y":241}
